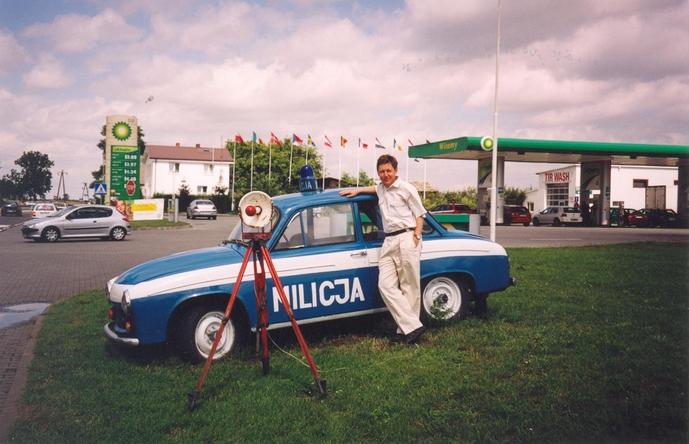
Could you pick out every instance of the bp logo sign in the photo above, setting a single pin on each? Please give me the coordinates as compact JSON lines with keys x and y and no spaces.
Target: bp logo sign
{"x":487,"y":143}
{"x":121,"y":131}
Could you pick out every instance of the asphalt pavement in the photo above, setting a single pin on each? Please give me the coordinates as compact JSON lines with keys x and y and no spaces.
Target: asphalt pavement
{"x":37,"y":272}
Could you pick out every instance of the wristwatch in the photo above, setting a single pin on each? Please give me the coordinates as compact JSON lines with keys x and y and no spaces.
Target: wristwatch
{"x":417,"y":236}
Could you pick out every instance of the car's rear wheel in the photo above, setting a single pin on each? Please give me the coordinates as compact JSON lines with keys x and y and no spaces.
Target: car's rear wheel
{"x":556,"y":222}
{"x":118,"y":233}
{"x":50,"y":234}
{"x":198,"y":328}
{"x":535,"y":221}
{"x":444,"y":299}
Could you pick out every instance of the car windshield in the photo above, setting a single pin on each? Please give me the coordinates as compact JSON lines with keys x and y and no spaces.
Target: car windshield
{"x":62,"y":212}
{"x":236,"y":233}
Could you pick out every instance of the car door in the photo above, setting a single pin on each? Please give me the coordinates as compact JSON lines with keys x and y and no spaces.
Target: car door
{"x":323,"y":266}
{"x":80,"y":223}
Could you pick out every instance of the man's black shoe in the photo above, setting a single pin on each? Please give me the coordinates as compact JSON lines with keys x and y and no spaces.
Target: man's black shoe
{"x":414,"y":336}
{"x":397,"y":338}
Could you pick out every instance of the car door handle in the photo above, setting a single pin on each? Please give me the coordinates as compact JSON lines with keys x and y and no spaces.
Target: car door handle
{"x":360,"y":253}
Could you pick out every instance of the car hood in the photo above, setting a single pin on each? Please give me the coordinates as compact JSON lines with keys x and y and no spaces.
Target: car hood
{"x":181,"y":263}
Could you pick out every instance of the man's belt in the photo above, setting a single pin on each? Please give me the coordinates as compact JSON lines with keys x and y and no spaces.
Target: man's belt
{"x":395,"y":233}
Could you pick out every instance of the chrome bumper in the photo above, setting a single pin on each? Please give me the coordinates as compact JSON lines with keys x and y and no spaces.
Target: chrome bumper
{"x":110,"y":333}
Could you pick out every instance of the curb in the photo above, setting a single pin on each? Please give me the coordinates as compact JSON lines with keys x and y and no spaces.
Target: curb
{"x":9,"y":413}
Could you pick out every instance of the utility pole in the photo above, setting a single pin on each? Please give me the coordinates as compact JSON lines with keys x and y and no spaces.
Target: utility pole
{"x":61,"y":185}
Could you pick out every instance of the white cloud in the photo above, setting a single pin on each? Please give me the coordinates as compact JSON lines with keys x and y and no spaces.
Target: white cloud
{"x":74,"y":33}
{"x":49,"y":73}
{"x":12,"y":54}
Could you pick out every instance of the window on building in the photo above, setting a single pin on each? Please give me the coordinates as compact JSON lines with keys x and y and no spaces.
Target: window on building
{"x":208,"y":168}
{"x":174,"y":167}
{"x":557,"y":194}
{"x":640,"y":183}
{"x":202,"y":189}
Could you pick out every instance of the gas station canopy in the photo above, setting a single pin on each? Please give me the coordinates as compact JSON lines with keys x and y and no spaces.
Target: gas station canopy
{"x":554,"y":151}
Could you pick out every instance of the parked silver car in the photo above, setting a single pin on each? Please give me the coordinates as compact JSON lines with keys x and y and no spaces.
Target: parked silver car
{"x":80,"y":221}
{"x":202,"y":208}
{"x":557,"y":216}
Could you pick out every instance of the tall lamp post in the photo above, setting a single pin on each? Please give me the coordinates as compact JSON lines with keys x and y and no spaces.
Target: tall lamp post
{"x":494,"y":166}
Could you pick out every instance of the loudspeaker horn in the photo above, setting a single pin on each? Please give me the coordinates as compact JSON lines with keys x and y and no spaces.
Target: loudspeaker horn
{"x":256,"y":209}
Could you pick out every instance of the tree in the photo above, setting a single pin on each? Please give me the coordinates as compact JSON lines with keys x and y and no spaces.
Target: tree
{"x":514,"y":196}
{"x":99,"y":174}
{"x":279,"y":167}
{"x":34,"y":179}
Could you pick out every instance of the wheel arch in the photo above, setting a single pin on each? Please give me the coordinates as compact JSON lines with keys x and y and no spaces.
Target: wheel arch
{"x":217,"y":300}
{"x":462,"y":276}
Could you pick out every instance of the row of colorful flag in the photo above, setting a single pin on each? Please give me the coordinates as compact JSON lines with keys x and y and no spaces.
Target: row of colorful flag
{"x":296,"y":140}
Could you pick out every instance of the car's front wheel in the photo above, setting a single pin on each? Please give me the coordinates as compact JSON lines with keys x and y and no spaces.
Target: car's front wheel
{"x":118,"y":233}
{"x":444,"y":299}
{"x":556,"y":222}
{"x":198,"y":328}
{"x":535,"y":221}
{"x":50,"y":234}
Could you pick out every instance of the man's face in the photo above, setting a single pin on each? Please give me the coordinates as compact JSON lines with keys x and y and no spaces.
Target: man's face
{"x":387,"y":174}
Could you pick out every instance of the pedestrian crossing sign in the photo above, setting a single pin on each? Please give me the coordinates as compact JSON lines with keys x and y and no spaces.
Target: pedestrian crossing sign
{"x":100,"y":189}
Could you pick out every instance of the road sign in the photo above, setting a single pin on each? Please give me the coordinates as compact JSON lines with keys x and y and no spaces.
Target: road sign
{"x":100,"y":189}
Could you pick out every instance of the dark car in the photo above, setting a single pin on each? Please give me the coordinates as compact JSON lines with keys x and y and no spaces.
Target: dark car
{"x":452,"y":208}
{"x":515,"y":214}
{"x":653,"y":217}
{"x":11,"y":209}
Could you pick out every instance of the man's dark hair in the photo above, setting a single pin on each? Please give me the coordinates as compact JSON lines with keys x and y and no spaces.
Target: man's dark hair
{"x":386,"y":158}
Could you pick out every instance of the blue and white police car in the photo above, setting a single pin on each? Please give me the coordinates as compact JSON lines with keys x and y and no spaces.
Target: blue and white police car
{"x":325,"y":249}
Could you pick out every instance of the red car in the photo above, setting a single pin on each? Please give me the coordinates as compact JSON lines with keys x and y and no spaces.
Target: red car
{"x":453,"y":208}
{"x":514,"y":214}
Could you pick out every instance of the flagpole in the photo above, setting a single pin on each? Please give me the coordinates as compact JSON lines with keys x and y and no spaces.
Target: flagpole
{"x":357,"y":162}
{"x":406,"y":173}
{"x":494,"y":167}
{"x":306,"y":159}
{"x":424,"y":178}
{"x":251,"y":182}
{"x":291,"y":149}
{"x":323,"y":169}
{"x":270,"y":162}
{"x":234,"y":170}
{"x":339,"y":164}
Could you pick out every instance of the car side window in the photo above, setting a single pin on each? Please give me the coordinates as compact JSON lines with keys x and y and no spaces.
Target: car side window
{"x":371,"y":223}
{"x":318,"y":226}
{"x":84,"y":213}
{"x":103,"y":212}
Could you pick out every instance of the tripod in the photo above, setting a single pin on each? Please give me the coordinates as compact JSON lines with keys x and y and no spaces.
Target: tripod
{"x":257,"y":250}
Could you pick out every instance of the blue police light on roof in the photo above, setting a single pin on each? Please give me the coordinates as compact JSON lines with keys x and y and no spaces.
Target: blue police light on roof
{"x":307,"y":182}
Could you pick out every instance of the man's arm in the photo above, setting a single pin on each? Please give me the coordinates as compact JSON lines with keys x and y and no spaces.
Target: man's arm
{"x":418,"y":230}
{"x":351,"y":192}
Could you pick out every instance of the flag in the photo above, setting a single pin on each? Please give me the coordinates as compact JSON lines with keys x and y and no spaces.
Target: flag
{"x":260,"y":141}
{"x":394,"y":145}
{"x":343,"y":142}
{"x":296,"y":139}
{"x":365,"y":145}
{"x":428,"y":141}
{"x":238,"y":138}
{"x":379,"y":144}
{"x":274,"y":139}
{"x":309,"y":140}
{"x":362,"y":144}
{"x":254,"y":137}
{"x":328,"y":143}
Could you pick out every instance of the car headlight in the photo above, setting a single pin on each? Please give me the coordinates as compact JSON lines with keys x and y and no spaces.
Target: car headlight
{"x":125,"y":303}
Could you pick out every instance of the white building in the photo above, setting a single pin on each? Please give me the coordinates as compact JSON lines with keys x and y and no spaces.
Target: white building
{"x":167,"y":168}
{"x":630,"y":186}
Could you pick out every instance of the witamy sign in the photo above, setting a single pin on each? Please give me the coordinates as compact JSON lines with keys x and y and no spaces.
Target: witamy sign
{"x":556,"y":177}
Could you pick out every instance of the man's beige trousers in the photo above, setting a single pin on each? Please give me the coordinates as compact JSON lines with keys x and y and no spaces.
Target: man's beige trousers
{"x":399,"y":279}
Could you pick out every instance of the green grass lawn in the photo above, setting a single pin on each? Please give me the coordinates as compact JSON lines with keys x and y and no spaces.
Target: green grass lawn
{"x":153,"y":224}
{"x":591,"y":346}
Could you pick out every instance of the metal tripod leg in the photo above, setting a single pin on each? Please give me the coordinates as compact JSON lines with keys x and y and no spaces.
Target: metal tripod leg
{"x":297,"y":331}
{"x":262,"y":317}
{"x":194,"y":395}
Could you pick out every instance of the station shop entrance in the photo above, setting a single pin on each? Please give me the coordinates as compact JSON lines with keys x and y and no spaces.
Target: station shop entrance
{"x":595,"y":158}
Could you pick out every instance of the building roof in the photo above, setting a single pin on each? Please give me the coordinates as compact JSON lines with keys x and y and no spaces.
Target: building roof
{"x":555,"y":151}
{"x":196,"y":153}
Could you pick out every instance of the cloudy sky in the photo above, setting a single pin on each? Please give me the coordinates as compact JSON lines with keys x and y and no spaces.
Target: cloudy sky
{"x":614,"y":70}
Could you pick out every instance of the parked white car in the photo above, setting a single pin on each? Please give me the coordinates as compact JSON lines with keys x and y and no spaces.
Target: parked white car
{"x":557,"y":216}
{"x":43,"y":210}
{"x":202,"y":208}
